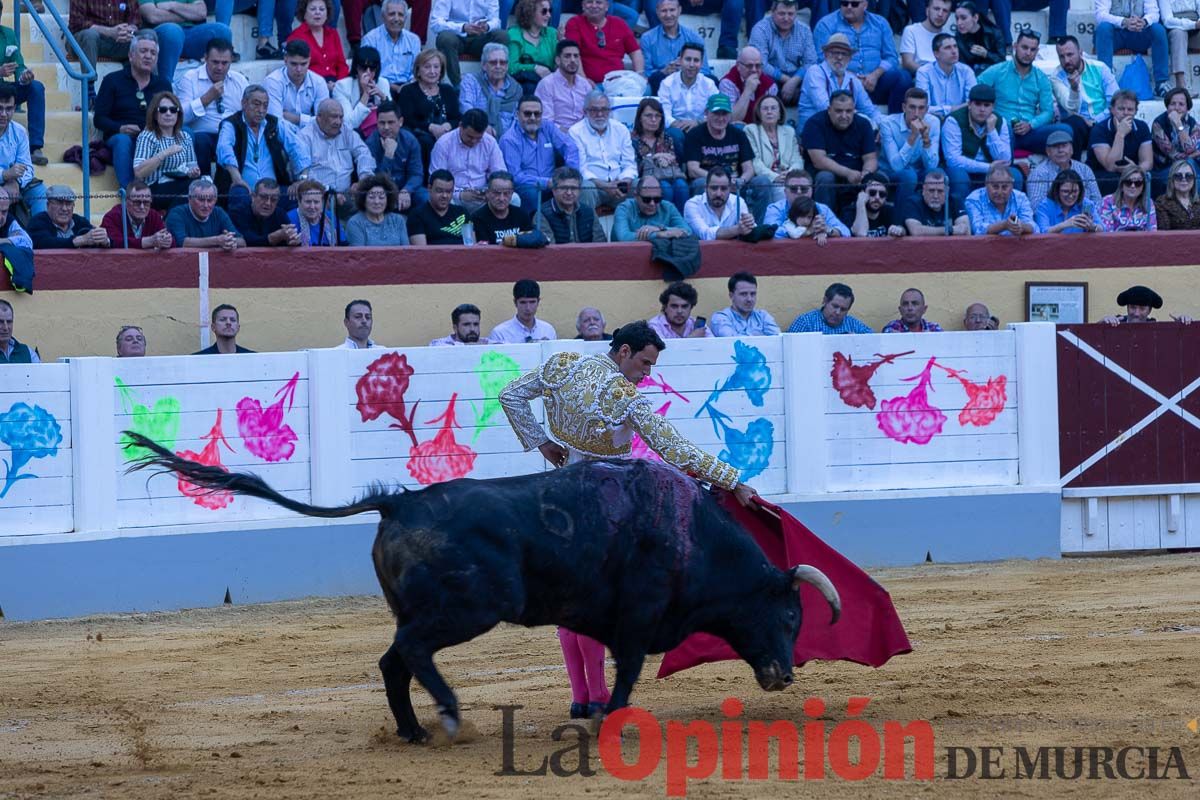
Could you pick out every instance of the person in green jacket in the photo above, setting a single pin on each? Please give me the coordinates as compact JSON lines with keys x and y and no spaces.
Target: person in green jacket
{"x":531,"y":44}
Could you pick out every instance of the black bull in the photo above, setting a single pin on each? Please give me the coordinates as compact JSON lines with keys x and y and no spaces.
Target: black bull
{"x":631,"y":553}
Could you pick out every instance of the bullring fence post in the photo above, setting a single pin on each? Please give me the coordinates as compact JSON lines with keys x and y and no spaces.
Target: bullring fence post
{"x":331,"y":467}
{"x":93,"y":435}
{"x":807,"y":449}
{"x":1037,"y":404}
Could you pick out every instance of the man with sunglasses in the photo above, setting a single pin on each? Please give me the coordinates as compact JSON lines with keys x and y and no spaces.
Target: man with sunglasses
{"x":874,"y":216}
{"x":799,"y":183}
{"x":875,"y":62}
{"x":144,"y":226}
{"x":645,"y":216}
{"x":210,"y":93}
{"x":123,"y":99}
{"x":604,"y":41}
{"x":531,"y":148}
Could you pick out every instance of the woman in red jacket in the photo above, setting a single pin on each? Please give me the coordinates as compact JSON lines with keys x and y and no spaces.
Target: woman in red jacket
{"x":328,"y":57}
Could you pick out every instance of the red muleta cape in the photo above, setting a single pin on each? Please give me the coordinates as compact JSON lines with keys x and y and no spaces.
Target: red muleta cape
{"x":869,"y":631}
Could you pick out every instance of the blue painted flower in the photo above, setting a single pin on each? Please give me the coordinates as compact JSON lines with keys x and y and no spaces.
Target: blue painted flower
{"x":749,"y":451}
{"x":31,"y":432}
{"x":751,"y":374}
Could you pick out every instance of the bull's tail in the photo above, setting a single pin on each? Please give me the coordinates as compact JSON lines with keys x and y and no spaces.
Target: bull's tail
{"x":217,"y":479}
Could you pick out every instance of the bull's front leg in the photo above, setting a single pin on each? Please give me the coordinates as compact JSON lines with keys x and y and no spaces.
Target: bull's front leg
{"x":629,"y":667}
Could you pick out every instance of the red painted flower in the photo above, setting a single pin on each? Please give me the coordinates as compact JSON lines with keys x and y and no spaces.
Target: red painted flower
{"x":638,"y":448}
{"x":381,"y":391}
{"x":853,"y":382}
{"x":910,"y":418}
{"x":441,"y":458}
{"x":984,"y":401}
{"x":209,"y":456}
{"x":264,"y":431}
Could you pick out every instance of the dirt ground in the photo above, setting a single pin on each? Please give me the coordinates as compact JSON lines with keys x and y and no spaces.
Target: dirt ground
{"x":285,"y":700}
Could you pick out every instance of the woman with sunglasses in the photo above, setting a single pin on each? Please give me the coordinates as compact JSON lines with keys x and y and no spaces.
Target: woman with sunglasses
{"x":1129,"y":207}
{"x":776,"y":152}
{"x":656,"y":154}
{"x":531,"y":43}
{"x":979,"y":44}
{"x":1178,"y":208}
{"x":328,"y":57}
{"x":1176,"y":134}
{"x":1064,"y":209}
{"x":361,"y":93}
{"x":164,"y":156}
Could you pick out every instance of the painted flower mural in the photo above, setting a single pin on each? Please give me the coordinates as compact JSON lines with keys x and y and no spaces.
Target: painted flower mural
{"x":32,"y":432}
{"x":495,"y":371}
{"x":263,"y":430}
{"x":752,"y":375}
{"x":209,"y":455}
{"x":441,"y":458}
{"x":911,"y":418}
{"x":749,"y":450}
{"x":159,"y":423}
{"x":985,"y":401}
{"x":853,"y":382}
{"x":381,"y":390}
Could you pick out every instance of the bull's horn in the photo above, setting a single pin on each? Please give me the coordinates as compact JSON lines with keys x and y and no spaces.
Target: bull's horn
{"x":803,"y":573}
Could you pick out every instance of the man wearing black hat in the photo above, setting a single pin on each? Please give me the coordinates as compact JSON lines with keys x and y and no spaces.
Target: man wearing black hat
{"x":972,"y":138}
{"x":1139,"y":302}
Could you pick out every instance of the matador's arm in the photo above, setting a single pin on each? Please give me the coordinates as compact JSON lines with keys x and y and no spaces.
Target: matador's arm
{"x":515,"y":399}
{"x":661,"y":437}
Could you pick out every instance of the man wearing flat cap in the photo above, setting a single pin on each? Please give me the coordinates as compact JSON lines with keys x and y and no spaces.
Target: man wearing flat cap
{"x":60,"y":227}
{"x":1139,"y":302}
{"x":973,"y":138}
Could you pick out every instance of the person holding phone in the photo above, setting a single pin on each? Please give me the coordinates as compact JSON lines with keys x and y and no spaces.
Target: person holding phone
{"x":676,"y":320}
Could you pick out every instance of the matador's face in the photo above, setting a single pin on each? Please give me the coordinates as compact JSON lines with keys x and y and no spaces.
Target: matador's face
{"x":636,"y":366}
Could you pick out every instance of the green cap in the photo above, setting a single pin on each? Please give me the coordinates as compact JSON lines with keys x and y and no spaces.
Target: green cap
{"x":719,"y":102}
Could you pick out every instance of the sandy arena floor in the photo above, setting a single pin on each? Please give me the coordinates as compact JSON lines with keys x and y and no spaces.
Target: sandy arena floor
{"x":285,"y":700}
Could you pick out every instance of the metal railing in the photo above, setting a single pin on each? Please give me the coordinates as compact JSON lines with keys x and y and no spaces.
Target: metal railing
{"x":85,"y":73}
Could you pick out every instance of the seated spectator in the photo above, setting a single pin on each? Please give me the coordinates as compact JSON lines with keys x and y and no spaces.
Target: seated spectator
{"x":910,"y":143}
{"x":802,"y":222}
{"x":1058,"y":159}
{"x":208,"y":94}
{"x":831,"y":76}
{"x":606,"y":156}
{"x":60,"y":227}
{"x":564,"y":91}
{"x":1120,"y":141}
{"x":363,"y":92}
{"x":974,"y":138}
{"x":397,"y":154}
{"x":1175,"y":132}
{"x":330,"y":153}
{"x":200,"y":223}
{"x":499,"y":221}
{"x":470,"y":154}
{"x":742,"y":318}
{"x":1002,"y":11}
{"x":656,"y":152}
{"x":717,"y":144}
{"x":1178,"y":208}
{"x":998,"y":208}
{"x":604,"y":41}
{"x":28,"y":91}
{"x":16,"y":162}
{"x":532,"y":148}
{"x":646,"y":216}
{"x":358,"y":320}
{"x":1029,"y":106}
{"x":876,"y":62}
{"x":225,"y":326}
{"x":532,"y":44}
{"x":439,"y":221}
{"x":324,"y":42}
{"x":524,"y":326}
{"x":916,"y":43}
{"x":12,"y":351}
{"x":563,"y":219}
{"x":684,"y":94}
{"x":1139,"y":302}
{"x":712,"y":216}
{"x":776,"y":151}
{"x":492,"y":90}
{"x":131,"y":342}
{"x":787,"y":48}
{"x":252,"y":146}
{"x":123,"y":100}
{"x":11,"y":231}
{"x":980,"y":45}
{"x":397,"y":47}
{"x":1065,"y":209}
{"x":103,"y":28}
{"x":464,"y":27}
{"x":1129,"y":207}
{"x":874,"y":217}
{"x":182,"y":31}
{"x":931,"y":213}
{"x":293,"y":90}
{"x":464,"y":322}
{"x":1179,"y":18}
{"x":833,"y":316}
{"x":377,"y":223}
{"x":676,"y":320}
{"x":946,"y":80}
{"x":1083,"y":90}
{"x":912,"y":315}
{"x":663,"y":44}
{"x":1133,"y":25}
{"x":841,"y":147}
{"x":261,"y":221}
{"x":429,"y":107}
{"x":589,"y":325}
{"x":143,"y":226}
{"x":164,"y":156}
{"x":798,"y":184}
{"x":745,"y":84}
{"x":731,"y":12}
{"x":978,"y":318}
{"x":314,"y":218}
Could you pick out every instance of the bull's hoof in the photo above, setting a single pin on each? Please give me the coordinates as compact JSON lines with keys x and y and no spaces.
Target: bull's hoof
{"x":418,"y":736}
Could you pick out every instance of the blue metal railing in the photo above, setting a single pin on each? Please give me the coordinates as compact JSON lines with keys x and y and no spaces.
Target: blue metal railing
{"x":85,"y":74}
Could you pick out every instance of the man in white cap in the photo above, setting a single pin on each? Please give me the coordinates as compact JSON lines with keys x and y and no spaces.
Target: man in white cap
{"x":829,"y":76}
{"x":1140,"y":302}
{"x":60,"y":227}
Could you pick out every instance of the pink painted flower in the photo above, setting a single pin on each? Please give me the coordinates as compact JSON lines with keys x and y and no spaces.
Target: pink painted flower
{"x":853,"y":382}
{"x":639,"y":449}
{"x":441,"y":458}
{"x":263,"y":430}
{"x":210,"y":456}
{"x":910,"y":418}
{"x":381,"y":391}
{"x":984,"y":401}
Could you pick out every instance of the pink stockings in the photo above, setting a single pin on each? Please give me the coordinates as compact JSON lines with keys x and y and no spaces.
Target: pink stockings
{"x":585,"y":667}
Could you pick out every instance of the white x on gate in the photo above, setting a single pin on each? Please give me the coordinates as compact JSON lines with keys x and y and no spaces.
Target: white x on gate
{"x":1165,"y":404}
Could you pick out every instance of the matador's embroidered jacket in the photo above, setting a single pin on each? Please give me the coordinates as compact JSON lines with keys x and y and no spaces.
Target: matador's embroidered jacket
{"x":594,"y":411}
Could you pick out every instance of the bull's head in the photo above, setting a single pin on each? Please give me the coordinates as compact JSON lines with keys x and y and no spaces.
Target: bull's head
{"x":766,"y":634}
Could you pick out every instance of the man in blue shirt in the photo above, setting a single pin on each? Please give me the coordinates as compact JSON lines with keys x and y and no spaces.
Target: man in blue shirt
{"x":799,"y":183}
{"x":397,"y":47}
{"x":833,"y":317}
{"x":998,"y":209}
{"x":531,"y":149}
{"x":876,"y":62}
{"x":947,"y":81}
{"x":661,"y":45}
{"x":731,"y":20}
{"x":742,"y":318}
{"x":787,"y":48}
{"x":397,"y":154}
{"x":1024,"y":95}
{"x":199,"y":223}
{"x":831,"y":75}
{"x":252,"y":146}
{"x":910,"y":143}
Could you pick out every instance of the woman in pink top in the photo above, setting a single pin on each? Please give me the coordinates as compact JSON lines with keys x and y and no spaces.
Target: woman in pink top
{"x":328,"y":57}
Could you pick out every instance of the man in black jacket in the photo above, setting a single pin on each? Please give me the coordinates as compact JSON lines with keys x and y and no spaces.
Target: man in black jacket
{"x":60,"y":227}
{"x":562,"y":219}
{"x":123,"y":99}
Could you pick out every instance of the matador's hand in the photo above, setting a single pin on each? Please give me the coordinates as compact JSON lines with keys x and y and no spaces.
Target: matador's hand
{"x":553,"y":452}
{"x":744,"y":494}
